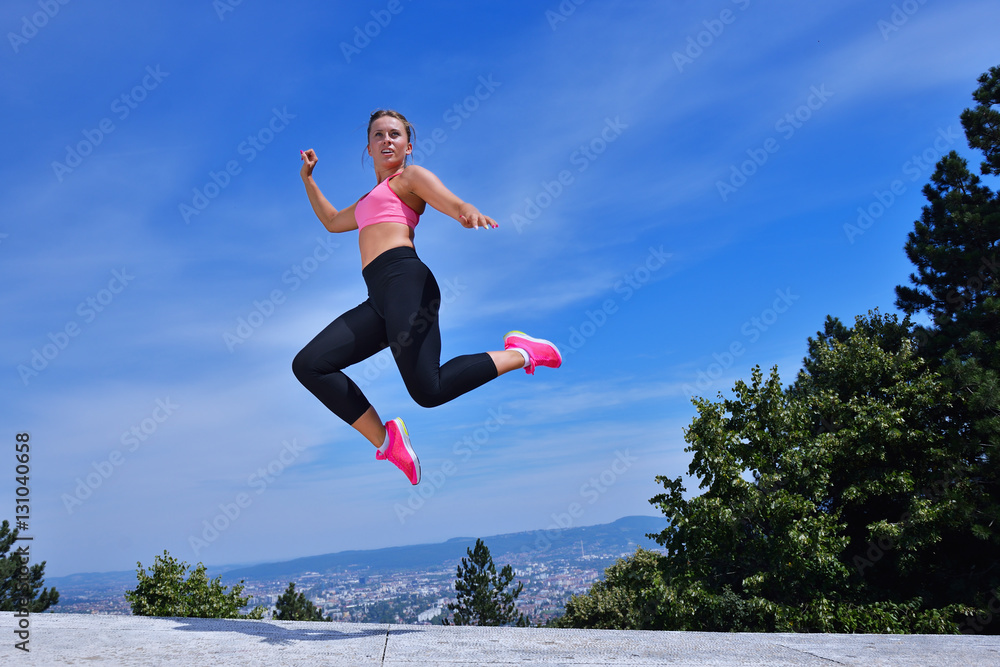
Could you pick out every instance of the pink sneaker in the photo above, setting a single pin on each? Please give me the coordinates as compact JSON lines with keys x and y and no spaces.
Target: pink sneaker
{"x":540,"y":352}
{"x":400,"y":452}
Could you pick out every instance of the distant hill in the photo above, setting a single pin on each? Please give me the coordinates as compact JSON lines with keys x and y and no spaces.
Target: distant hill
{"x":618,"y":537}
{"x":621,"y":536}
{"x":91,"y":580}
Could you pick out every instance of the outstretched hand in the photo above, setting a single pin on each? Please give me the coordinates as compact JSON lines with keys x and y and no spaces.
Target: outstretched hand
{"x":476,"y":220}
{"x":309,"y":161}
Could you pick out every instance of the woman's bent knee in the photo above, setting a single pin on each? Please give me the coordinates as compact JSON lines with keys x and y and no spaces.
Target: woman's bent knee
{"x":427,"y":399}
{"x":302,"y":366}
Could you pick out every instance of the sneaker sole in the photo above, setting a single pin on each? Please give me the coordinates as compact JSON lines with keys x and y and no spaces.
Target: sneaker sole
{"x":521,"y":334}
{"x":409,"y":450}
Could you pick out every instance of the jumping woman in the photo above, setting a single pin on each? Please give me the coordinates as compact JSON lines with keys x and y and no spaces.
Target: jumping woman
{"x":401,"y":310}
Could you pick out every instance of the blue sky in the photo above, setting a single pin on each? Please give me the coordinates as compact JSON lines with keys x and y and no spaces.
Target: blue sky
{"x":672,"y":183}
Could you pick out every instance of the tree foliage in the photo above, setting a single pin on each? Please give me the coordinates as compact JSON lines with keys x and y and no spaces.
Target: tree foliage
{"x":830,"y":506}
{"x":20,"y":581}
{"x":164,"y":591}
{"x":482,"y":595}
{"x":297,"y":607}
{"x":865,"y":497}
{"x":823,"y":503}
{"x":955,"y":246}
{"x":624,"y":600}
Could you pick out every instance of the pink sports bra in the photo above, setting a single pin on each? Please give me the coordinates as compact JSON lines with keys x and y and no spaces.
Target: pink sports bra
{"x":384,"y":205}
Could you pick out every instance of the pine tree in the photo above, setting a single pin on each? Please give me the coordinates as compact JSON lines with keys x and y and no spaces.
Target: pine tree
{"x":297,"y":607}
{"x":164,"y":591}
{"x":956,"y":243}
{"x":20,"y":581}
{"x":955,"y":247}
{"x":482,"y":598}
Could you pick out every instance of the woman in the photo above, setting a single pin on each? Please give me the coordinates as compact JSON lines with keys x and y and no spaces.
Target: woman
{"x":401,"y":311}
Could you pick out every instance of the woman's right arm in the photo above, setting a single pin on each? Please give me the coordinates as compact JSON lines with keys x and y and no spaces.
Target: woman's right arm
{"x":332,"y":219}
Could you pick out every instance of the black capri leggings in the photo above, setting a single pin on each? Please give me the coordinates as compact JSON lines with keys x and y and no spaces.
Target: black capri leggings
{"x":401,"y":312}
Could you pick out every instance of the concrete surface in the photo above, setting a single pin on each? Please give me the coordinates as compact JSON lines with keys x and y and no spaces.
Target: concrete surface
{"x":77,"y":639}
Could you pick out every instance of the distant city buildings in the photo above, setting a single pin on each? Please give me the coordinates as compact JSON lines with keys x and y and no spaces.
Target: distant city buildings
{"x":416,"y":597}
{"x":553,"y":565}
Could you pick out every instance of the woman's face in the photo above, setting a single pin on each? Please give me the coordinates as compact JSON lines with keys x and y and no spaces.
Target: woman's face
{"x":387,"y":143}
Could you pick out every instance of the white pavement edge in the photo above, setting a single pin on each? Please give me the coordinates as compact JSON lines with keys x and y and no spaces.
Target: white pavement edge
{"x":63,"y":639}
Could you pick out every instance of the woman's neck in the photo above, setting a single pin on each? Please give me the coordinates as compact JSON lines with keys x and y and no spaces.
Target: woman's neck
{"x":389,"y":173}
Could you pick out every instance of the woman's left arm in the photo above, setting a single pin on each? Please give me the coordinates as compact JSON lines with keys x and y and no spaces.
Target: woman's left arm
{"x":429,"y":187}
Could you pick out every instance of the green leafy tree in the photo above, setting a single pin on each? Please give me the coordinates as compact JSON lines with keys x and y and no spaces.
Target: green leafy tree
{"x":821,"y":501}
{"x":827,"y":506}
{"x":624,"y":600}
{"x":20,"y":581}
{"x":292,"y":606}
{"x":482,"y":595}
{"x":164,"y":591}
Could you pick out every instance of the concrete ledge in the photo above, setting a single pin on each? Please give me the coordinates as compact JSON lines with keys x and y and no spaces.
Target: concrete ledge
{"x":74,"y":639}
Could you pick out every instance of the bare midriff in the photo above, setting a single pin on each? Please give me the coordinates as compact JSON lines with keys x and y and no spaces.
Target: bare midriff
{"x":376,"y":239}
